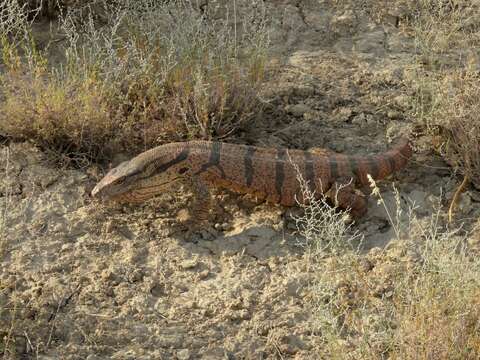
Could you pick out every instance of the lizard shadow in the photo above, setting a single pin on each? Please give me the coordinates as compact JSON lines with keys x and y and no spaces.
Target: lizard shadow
{"x":240,"y":224}
{"x":259,"y":241}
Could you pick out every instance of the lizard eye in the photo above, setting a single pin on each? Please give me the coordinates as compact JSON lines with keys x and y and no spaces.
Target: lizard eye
{"x":183,"y":170}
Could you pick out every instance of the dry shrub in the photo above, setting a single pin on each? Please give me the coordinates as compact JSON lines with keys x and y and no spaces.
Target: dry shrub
{"x":144,"y":73}
{"x":459,"y":106}
{"x":70,"y":117}
{"x":448,"y":104}
{"x":416,"y":299}
{"x":445,"y":79}
{"x":444,"y":29}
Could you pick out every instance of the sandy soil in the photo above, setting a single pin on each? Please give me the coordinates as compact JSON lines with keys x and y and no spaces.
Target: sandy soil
{"x":122,"y":282}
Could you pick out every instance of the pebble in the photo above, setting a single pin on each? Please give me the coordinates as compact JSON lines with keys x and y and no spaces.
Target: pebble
{"x":183,"y":354}
{"x":298,"y":109}
{"x":189,"y":264}
{"x":292,"y":344}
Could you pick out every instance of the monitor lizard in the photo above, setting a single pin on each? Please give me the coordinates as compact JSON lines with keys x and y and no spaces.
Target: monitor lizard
{"x":267,"y":173}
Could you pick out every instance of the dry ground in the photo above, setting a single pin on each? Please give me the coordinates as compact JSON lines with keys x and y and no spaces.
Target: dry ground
{"x":80,"y":280}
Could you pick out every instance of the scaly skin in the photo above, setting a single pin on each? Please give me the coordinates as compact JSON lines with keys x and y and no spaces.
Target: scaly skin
{"x":264,"y":172}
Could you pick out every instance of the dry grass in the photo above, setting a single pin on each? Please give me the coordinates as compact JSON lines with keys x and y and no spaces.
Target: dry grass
{"x":445,"y":32}
{"x":450,"y":104}
{"x":445,"y":80}
{"x":144,"y":73}
{"x":416,"y":299}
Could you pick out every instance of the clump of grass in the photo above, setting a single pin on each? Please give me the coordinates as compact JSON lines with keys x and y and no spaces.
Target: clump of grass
{"x":322,"y":227}
{"x":136,"y":74}
{"x":455,"y":118}
{"x":445,"y":82}
{"x":447,"y":104}
{"x":444,"y":31}
{"x":439,"y":308}
{"x":415,"y":299}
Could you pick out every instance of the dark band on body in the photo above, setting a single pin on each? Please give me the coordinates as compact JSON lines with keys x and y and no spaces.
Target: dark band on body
{"x":361,"y":166}
{"x":355,"y":164}
{"x":309,"y":171}
{"x":248,"y":163}
{"x":214,"y":160}
{"x":385,"y":167}
{"x":391,"y":161}
{"x":280,"y":172}
{"x":182,"y":156}
{"x":333,"y":166}
{"x":373,"y":168}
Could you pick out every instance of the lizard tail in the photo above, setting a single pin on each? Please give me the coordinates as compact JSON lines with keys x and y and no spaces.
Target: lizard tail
{"x":382,"y":165}
{"x":395,"y":158}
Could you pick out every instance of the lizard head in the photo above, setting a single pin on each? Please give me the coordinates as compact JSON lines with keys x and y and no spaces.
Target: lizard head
{"x":143,"y":177}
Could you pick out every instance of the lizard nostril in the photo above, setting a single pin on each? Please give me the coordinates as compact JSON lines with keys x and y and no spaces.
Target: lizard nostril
{"x":183,"y":170}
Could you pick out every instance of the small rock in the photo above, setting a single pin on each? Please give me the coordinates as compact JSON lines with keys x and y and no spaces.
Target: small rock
{"x":343,"y":114}
{"x":419,"y":198}
{"x":20,"y":345}
{"x":474,"y":239}
{"x":393,"y":114}
{"x":465,"y":203}
{"x":237,"y":315}
{"x":337,"y":147}
{"x":260,"y":232}
{"x":366,"y":265}
{"x":183,"y":354}
{"x":371,"y":42}
{"x":294,"y":286}
{"x":93,"y":357}
{"x":359,"y":120}
{"x":263,"y":329}
{"x":170,"y":340}
{"x":223,"y":226}
{"x":162,"y":307}
{"x":304,"y":91}
{"x":189,"y":264}
{"x":135,"y":276}
{"x":158,"y":290}
{"x":298,"y":109}
{"x":390,"y":20}
{"x":402,"y":101}
{"x":203,"y":274}
{"x":344,"y":23}
{"x":292,"y":344}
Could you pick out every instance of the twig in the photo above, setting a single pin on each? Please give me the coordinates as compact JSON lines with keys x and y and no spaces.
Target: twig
{"x":456,"y":196}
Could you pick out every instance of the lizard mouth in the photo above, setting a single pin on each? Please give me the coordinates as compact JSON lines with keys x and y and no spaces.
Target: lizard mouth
{"x":133,"y":195}
{"x":149,"y":191}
